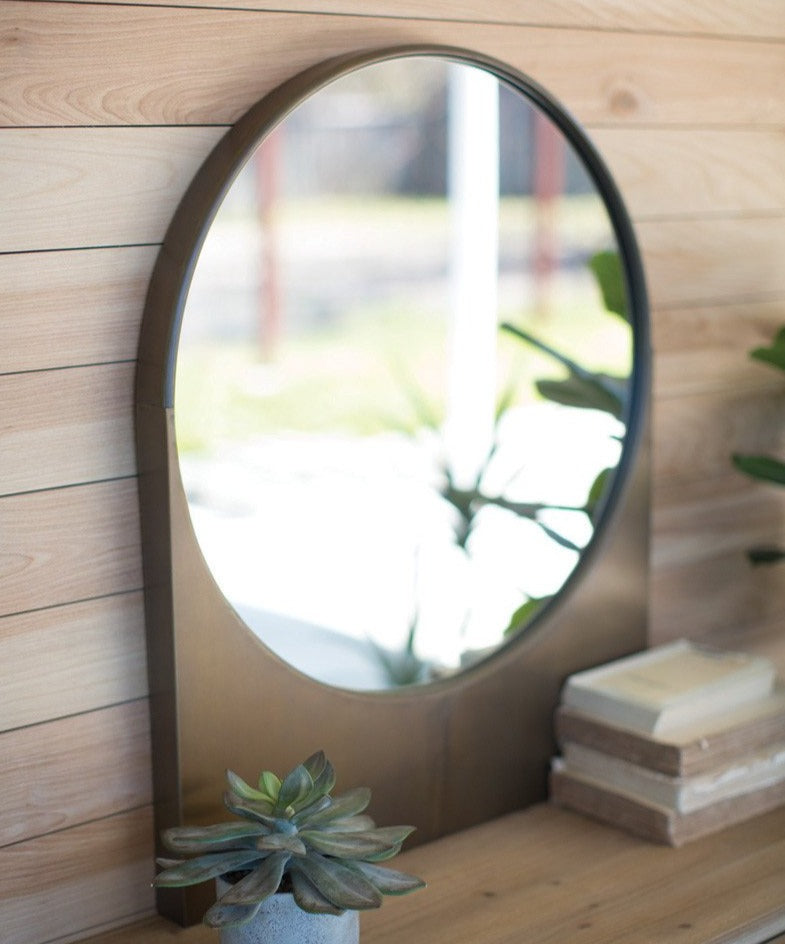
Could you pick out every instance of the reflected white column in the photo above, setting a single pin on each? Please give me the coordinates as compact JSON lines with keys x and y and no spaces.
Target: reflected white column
{"x":473,"y":174}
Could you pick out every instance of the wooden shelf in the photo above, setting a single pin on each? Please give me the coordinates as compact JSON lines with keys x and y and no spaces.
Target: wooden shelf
{"x":548,"y":875}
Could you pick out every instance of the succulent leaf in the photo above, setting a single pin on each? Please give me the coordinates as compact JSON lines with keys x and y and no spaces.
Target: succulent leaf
{"x":249,"y":809}
{"x":278,"y":841}
{"x":347,"y":804}
{"x":343,"y":886}
{"x":227,"y":916}
{"x":388,"y":881}
{"x":196,"y":839}
{"x":307,"y":811}
{"x":269,"y":784}
{"x":350,"y":845}
{"x":260,"y":884}
{"x":308,"y":896}
{"x":324,"y":780}
{"x":245,"y":791}
{"x":205,"y":867}
{"x":315,"y":764}
{"x":344,"y":845}
{"x":295,"y":791}
{"x":383,"y":856}
{"x":347,"y":825}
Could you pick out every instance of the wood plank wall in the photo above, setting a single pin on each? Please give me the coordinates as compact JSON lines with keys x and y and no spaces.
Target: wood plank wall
{"x":106,"y":111}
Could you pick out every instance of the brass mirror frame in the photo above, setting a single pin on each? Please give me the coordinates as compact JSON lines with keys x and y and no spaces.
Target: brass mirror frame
{"x":443,"y":756}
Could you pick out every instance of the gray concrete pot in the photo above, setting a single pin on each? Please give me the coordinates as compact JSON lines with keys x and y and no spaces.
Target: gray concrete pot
{"x":281,"y":921}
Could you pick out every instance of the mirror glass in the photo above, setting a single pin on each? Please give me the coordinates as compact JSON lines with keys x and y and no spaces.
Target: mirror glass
{"x":403,"y":374}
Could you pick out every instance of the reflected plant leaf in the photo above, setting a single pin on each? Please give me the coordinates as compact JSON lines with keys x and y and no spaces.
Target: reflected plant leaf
{"x":607,"y":270}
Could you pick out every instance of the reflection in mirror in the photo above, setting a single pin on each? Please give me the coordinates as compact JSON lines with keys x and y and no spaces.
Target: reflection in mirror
{"x":402,"y":375}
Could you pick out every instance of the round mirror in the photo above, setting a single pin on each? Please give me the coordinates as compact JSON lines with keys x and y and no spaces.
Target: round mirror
{"x":405,"y":372}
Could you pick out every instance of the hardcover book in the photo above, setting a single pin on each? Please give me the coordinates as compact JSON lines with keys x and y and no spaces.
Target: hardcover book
{"x":672,"y":686}
{"x":688,"y":749}
{"x":658,"y":823}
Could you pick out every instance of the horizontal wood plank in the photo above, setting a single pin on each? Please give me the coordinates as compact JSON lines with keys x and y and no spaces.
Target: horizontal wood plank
{"x":761,"y":18}
{"x":69,"y":544}
{"x":667,"y":172}
{"x":694,"y":436}
{"x":708,"y":518}
{"x":129,"y":71}
{"x":67,"y":426}
{"x":694,"y":262}
{"x":688,"y":260}
{"x":701,"y":580}
{"x":55,"y":776}
{"x":63,"y":309}
{"x":71,"y":659}
{"x":719,"y":593}
{"x":706,"y":348}
{"x":55,"y":887}
{"x":74,"y":188}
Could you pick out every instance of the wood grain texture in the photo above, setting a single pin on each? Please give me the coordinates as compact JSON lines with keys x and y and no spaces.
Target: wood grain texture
{"x":760,"y":18}
{"x":680,"y":172}
{"x":553,"y":876}
{"x":701,"y":580}
{"x":129,"y":71}
{"x":65,"y":309}
{"x":689,"y":260}
{"x":96,"y":875}
{"x":694,"y":261}
{"x":71,"y":659}
{"x":694,"y":436}
{"x":72,"y":188}
{"x":56,"y":775}
{"x":662,"y":174}
{"x":67,"y":426}
{"x":69,"y":544}
{"x":706,"y":348}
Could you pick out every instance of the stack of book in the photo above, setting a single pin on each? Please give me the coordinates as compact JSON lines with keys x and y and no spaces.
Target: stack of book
{"x":672,"y":743}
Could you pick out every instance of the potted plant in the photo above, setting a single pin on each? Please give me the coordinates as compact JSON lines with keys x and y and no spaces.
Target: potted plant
{"x":299,"y":864}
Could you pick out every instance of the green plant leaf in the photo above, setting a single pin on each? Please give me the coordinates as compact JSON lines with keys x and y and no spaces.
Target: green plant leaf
{"x":249,"y":809}
{"x":315,"y":764}
{"x":205,"y":867}
{"x":308,"y":896}
{"x":189,"y":839}
{"x":774,"y":355}
{"x":323,"y":778}
{"x":291,"y":844}
{"x":270,"y":785}
{"x":339,"y":884}
{"x":260,"y":884}
{"x":524,"y":614}
{"x":388,"y":881}
{"x":607,"y":270}
{"x":597,"y":490}
{"x":229,"y":916}
{"x":303,"y":814}
{"x":765,"y":468}
{"x":357,"y":845}
{"x":350,"y":824}
{"x":295,"y":790}
{"x":346,"y":804}
{"x":343,"y":845}
{"x":246,"y":792}
{"x":585,"y":393}
{"x":765,"y":555}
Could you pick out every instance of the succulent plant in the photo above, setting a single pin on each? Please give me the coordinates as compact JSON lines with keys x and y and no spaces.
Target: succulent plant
{"x":292,"y":836}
